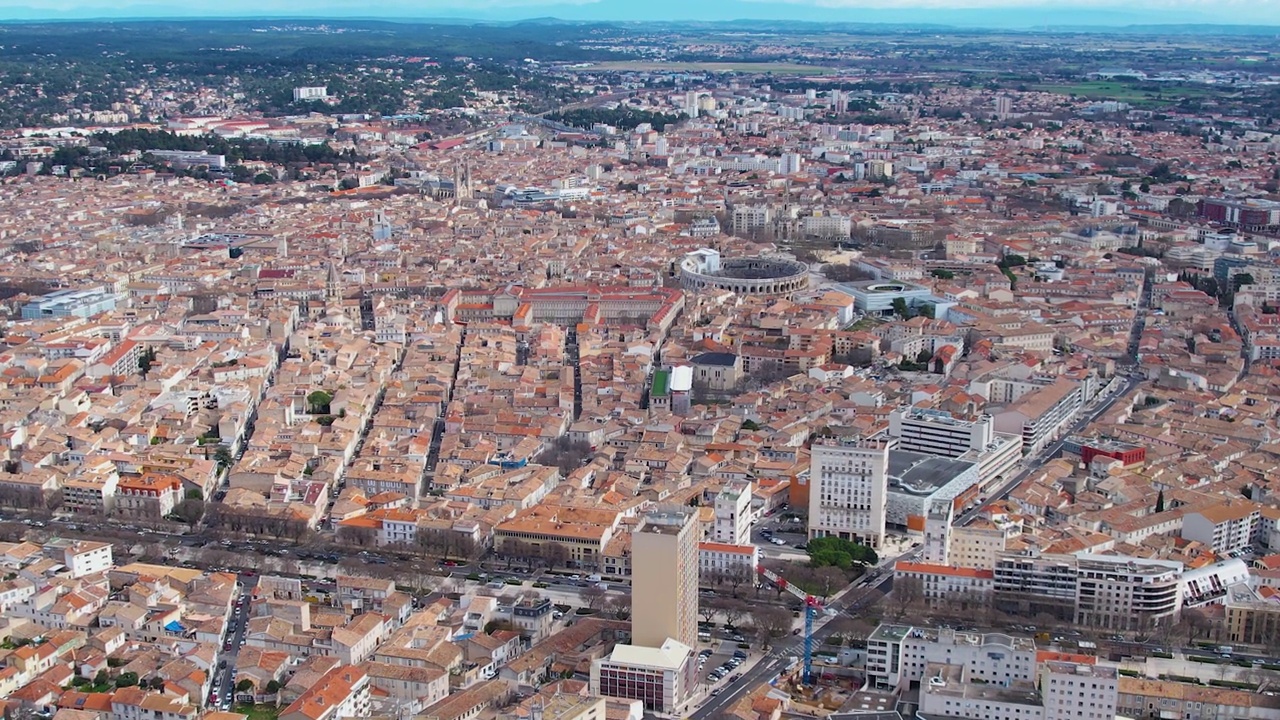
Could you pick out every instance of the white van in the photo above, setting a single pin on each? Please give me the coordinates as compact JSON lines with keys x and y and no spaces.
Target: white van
{"x":593,"y":578}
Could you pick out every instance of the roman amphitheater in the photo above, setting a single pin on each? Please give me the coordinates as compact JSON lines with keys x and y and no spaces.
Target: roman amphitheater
{"x":747,"y":276}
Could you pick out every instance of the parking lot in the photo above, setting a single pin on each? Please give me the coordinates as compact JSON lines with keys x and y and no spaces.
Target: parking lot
{"x":719,"y":661}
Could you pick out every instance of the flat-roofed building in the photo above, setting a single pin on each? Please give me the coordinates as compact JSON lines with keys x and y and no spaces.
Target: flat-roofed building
{"x":1253,"y":616}
{"x":69,"y":303}
{"x":1125,"y":593}
{"x":897,"y":655}
{"x":937,"y":432}
{"x":660,"y":677}
{"x":917,"y":481}
{"x":733,"y":513}
{"x":848,"y":488}
{"x":1072,"y":690}
{"x":664,"y":578}
{"x":949,"y":690}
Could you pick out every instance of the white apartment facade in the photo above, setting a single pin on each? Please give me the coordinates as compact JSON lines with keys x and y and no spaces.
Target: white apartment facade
{"x":727,"y":560}
{"x":898,"y":655}
{"x":87,"y":558}
{"x":1225,"y":527}
{"x":848,"y":488}
{"x":1078,"y":691}
{"x":1111,"y":592}
{"x":732,"y":519}
{"x":978,"y":544}
{"x":1122,"y":593}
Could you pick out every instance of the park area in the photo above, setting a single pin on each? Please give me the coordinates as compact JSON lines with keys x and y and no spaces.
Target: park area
{"x":1134,"y":92}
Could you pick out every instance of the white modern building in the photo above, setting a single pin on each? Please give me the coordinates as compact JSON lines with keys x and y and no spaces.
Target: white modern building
{"x":659,"y":677}
{"x":1224,"y":527}
{"x":1124,"y":593}
{"x":307,"y":94}
{"x":732,"y":521}
{"x":916,"y":481}
{"x":937,"y":432}
{"x":70,"y":303}
{"x":897,"y":656}
{"x":749,"y":219}
{"x":1060,"y":691}
{"x":1078,"y":691}
{"x":81,"y":557}
{"x":848,"y":488}
{"x":1108,"y":592}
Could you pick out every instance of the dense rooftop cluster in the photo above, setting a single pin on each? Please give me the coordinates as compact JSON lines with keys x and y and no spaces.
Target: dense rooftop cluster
{"x":490,"y":344}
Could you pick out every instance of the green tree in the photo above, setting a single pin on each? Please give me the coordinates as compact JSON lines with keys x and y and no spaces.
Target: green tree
{"x":1160,"y":502}
{"x":145,"y":361}
{"x":750,"y":425}
{"x":273,"y":686}
{"x":223,"y":456}
{"x":188,"y":511}
{"x":127,"y":679}
{"x":244,"y":686}
{"x":318,"y":402}
{"x":838,"y":552}
{"x":900,"y":307}
{"x":942,"y":274}
{"x":928,"y":310}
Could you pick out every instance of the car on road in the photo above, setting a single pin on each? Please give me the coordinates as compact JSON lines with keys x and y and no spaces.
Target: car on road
{"x":715,"y":692}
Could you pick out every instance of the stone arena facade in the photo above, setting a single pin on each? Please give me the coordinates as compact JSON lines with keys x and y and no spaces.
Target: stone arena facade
{"x":745,"y":276}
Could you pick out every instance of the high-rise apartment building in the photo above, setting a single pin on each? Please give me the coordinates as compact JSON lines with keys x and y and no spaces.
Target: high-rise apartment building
{"x":732,"y":523}
{"x":664,"y":578}
{"x":691,"y":103}
{"x":848,"y":488}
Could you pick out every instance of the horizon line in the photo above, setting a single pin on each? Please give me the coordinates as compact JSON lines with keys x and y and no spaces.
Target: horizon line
{"x":455,"y":20}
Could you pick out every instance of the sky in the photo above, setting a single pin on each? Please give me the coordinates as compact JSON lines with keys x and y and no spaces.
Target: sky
{"x":989,"y":13}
